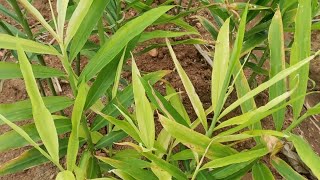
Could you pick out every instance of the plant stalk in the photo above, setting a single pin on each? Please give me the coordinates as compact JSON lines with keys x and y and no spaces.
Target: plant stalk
{"x":28,"y":31}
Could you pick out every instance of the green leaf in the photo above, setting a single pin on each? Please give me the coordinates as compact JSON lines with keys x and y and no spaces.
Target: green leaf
{"x":125,"y":99}
{"x":183,"y":155}
{"x":261,"y":172}
{"x":30,"y":158}
{"x":176,"y":102}
{"x":236,"y":158}
{"x":194,"y":140}
{"x":299,"y":51}
{"x":41,"y":115}
{"x":194,"y":98}
{"x":252,"y":43}
{"x":311,"y":111}
{"x":118,"y":74}
{"x":123,"y":125}
{"x":12,"y":71}
{"x":110,"y":138}
{"x":84,"y":25}
{"x":10,"y":42}
{"x":129,"y":168}
{"x":77,"y":114}
{"x":8,"y":13}
{"x":285,"y":170}
{"x":171,"y":169}
{"x":209,"y":27}
{"x":76,"y":19}
{"x":107,"y":75}
{"x":220,"y":63}
{"x":6,"y":139}
{"x":243,"y":118}
{"x":65,"y":175}
{"x":241,"y":83}
{"x":118,"y":41}
{"x":62,"y":6}
{"x":235,"y":69}
{"x":23,"y":109}
{"x":227,"y":172}
{"x":122,"y":174}
{"x":307,"y":155}
{"x":277,"y":64}
{"x":162,"y":104}
{"x":143,"y":110}
{"x":36,"y":14}
{"x":28,"y":138}
{"x":281,"y":75}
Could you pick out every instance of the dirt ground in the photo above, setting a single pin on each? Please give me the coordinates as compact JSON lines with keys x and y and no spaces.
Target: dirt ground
{"x":198,"y":71}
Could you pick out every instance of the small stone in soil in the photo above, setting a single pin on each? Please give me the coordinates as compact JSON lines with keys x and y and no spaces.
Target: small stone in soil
{"x":153,"y":52}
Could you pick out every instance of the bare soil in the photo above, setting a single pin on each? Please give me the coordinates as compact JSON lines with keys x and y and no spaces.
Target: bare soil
{"x":198,"y":71}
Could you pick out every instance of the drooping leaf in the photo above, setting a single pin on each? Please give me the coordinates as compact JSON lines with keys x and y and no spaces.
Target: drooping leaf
{"x":129,"y":168}
{"x":194,"y":140}
{"x":41,"y":115}
{"x":23,"y":109}
{"x":10,"y":42}
{"x":285,"y":170}
{"x":6,"y":139}
{"x":261,"y":171}
{"x":236,"y":158}
{"x":4,"y":168}
{"x":194,"y":98}
{"x":119,"y":40}
{"x":30,"y":158}
{"x":12,"y":71}
{"x":307,"y":155}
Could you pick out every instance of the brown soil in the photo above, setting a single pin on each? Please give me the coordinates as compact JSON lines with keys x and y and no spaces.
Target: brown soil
{"x":198,"y":71}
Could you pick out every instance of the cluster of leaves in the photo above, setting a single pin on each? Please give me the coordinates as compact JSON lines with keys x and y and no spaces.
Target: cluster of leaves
{"x":178,"y":151}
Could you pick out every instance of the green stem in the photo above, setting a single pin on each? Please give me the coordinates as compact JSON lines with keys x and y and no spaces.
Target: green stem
{"x":101,"y":32}
{"x":296,"y":123}
{"x":42,"y":91}
{"x":179,"y":7}
{"x":28,"y":31}
{"x":67,"y":66}
{"x":189,"y":5}
{"x":260,"y":64}
{"x":78,"y":65}
{"x":5,"y":28}
{"x":21,"y":18}
{"x":88,"y":135}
